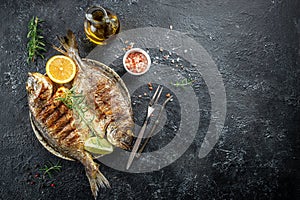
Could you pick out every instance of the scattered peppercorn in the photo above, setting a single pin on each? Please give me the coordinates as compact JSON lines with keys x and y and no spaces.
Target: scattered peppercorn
{"x":150,"y":86}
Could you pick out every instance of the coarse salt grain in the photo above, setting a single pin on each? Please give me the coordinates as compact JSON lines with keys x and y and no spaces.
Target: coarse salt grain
{"x":136,"y":62}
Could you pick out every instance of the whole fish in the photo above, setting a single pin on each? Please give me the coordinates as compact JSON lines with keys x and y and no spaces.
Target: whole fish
{"x":56,"y":123}
{"x":108,"y":104}
{"x":105,"y":93}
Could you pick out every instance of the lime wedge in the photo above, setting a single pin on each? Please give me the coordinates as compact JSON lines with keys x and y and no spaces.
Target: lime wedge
{"x":98,"y":145}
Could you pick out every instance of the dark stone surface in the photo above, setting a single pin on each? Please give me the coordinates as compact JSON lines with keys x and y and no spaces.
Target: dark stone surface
{"x":255,"y":45}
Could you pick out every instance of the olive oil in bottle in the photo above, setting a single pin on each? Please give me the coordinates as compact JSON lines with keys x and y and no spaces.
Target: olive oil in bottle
{"x":100,"y":24}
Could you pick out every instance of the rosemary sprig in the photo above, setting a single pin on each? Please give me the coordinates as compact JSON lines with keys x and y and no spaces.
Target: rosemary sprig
{"x":67,"y":98}
{"x":36,"y":43}
{"x":49,"y":169}
{"x":183,"y":82}
{"x":77,"y":103}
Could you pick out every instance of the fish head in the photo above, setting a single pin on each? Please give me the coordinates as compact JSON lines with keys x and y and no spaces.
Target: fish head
{"x":119,"y":136}
{"x":39,"y":86}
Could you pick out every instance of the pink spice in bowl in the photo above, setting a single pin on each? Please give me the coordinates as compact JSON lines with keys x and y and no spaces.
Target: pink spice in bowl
{"x":136,"y":61}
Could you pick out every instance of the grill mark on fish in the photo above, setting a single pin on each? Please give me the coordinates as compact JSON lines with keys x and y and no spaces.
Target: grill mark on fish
{"x":44,"y":93}
{"x":110,"y":105}
{"x":64,"y":133}
{"x":103,"y":98}
{"x":49,"y":108}
{"x":52,"y":118}
{"x":73,"y":138}
{"x":56,"y":115}
{"x":60,"y":123}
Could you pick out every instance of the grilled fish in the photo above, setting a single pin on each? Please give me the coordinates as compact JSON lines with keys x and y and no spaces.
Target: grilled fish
{"x":108,"y":104}
{"x":56,"y":123}
{"x":105,"y":93}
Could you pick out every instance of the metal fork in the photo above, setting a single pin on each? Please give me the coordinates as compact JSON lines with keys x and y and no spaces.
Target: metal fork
{"x":150,"y":110}
{"x":153,"y":127}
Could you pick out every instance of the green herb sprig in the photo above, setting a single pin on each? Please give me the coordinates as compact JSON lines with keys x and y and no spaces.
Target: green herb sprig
{"x":76,"y":102}
{"x":183,"y":82}
{"x":48,"y":169}
{"x":36,"y":43}
{"x":96,"y":143}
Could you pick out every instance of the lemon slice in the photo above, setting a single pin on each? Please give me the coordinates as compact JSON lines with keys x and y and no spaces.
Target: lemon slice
{"x":98,"y":145}
{"x":61,"y":69}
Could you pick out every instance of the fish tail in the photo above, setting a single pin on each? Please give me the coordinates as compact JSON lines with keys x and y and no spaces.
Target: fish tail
{"x":69,"y":42}
{"x":96,"y":178}
{"x":70,"y":47}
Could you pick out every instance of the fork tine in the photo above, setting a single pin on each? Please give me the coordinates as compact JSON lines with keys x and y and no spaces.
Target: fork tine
{"x":156,"y":91}
{"x":160,"y":91}
{"x":154,"y":96}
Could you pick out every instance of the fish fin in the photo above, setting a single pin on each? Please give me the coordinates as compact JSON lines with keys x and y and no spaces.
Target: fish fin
{"x":69,"y":42}
{"x":71,"y":38}
{"x":96,"y":178}
{"x":60,"y":50}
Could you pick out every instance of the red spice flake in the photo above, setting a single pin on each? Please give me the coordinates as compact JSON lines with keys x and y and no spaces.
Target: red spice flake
{"x":52,"y":185}
{"x":37,"y":175}
{"x":136,"y":62}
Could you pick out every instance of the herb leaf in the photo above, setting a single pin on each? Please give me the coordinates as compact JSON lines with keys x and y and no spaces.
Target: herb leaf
{"x":183,"y":82}
{"x":48,"y":169}
{"x":77,"y":102}
{"x":35,"y":44}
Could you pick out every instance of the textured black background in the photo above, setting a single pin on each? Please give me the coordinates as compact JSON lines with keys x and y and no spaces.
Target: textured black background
{"x":255,"y":45}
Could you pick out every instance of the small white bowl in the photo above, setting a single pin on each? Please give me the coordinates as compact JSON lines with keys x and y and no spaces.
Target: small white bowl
{"x":133,"y":50}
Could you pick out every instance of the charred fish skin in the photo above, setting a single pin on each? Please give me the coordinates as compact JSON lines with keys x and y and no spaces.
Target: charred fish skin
{"x":39,"y":89}
{"x":57,"y":125}
{"x":112,"y":107}
{"x":111,"y":99}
